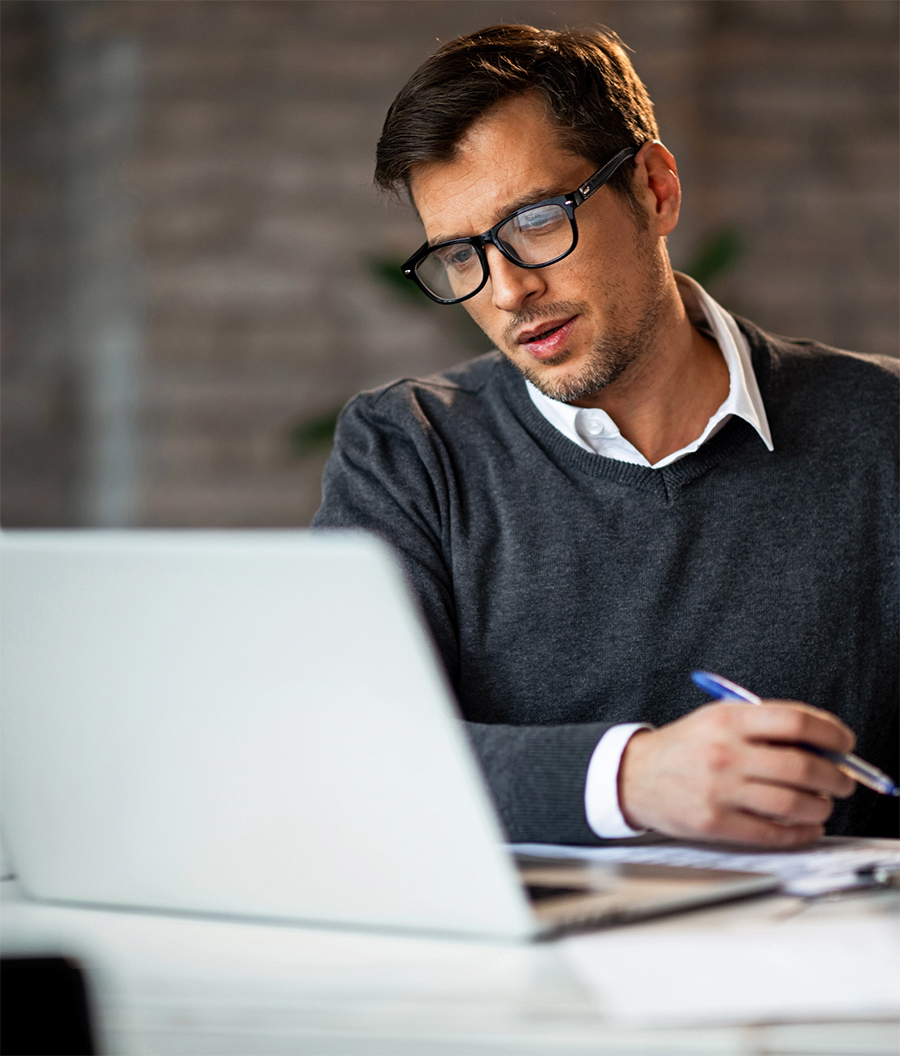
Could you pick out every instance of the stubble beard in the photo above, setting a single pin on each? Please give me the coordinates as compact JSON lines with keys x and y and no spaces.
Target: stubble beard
{"x":612,"y":355}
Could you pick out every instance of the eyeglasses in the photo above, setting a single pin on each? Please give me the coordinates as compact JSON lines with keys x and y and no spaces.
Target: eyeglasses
{"x":531,"y":237}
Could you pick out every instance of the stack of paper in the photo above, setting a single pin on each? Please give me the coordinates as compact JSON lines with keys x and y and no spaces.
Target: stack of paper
{"x":834,"y":863}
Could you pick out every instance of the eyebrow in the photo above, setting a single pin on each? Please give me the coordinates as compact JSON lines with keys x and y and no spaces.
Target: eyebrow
{"x":539,"y":194}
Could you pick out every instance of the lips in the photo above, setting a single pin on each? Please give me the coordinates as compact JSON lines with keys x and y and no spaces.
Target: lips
{"x":548,"y":338}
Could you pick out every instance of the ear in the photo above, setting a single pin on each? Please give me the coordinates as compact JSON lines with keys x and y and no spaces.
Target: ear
{"x":657,"y":186}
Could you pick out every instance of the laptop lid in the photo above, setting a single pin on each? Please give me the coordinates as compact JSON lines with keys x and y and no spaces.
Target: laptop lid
{"x":242,"y":723}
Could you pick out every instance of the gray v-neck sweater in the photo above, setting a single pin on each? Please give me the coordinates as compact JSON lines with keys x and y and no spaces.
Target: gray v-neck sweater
{"x":567,"y":591}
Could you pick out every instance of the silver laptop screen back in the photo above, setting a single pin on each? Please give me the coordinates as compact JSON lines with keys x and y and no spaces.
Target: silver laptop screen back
{"x":247,"y":723}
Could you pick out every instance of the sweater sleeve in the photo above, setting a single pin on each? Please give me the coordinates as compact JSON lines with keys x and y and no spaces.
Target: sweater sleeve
{"x":388,"y":474}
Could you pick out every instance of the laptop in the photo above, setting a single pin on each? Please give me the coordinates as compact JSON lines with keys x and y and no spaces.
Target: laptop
{"x":256,"y":724}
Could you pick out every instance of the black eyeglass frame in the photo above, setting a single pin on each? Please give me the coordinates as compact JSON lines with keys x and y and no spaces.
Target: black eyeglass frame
{"x":569,"y":203}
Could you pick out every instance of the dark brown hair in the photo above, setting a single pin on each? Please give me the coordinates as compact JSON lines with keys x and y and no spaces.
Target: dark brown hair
{"x":591,"y":90}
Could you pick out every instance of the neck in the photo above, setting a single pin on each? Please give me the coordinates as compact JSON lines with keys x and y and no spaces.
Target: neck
{"x":666,"y":397}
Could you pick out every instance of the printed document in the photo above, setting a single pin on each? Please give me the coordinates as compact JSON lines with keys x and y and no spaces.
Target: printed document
{"x":834,"y":863}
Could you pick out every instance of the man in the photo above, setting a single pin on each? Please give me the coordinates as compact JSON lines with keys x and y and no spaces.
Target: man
{"x":633,"y":486}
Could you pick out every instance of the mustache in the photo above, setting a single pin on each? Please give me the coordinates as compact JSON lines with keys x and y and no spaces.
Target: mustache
{"x":556,"y":310}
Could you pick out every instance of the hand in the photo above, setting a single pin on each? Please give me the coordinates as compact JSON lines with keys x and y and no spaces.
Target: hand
{"x":729,"y":771}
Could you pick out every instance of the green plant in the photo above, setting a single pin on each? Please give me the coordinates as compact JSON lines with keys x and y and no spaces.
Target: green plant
{"x":718,"y":252}
{"x":313,"y":434}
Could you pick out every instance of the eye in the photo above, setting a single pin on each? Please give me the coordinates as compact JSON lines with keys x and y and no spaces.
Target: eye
{"x":457,"y":256}
{"x":541,"y":219}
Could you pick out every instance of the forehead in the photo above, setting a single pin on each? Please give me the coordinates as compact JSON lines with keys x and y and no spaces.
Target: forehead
{"x":509,"y":157}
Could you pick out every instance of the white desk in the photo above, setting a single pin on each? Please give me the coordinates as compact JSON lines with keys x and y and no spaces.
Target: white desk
{"x":183,"y":986}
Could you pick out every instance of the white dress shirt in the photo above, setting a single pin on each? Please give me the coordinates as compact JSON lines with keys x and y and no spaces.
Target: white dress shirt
{"x":594,"y":430}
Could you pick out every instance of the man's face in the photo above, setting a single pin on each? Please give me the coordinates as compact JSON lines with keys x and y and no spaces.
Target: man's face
{"x":575,"y":326}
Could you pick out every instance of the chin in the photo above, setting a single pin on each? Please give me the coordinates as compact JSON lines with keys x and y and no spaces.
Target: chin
{"x":572,"y":384}
{"x":566,"y":388}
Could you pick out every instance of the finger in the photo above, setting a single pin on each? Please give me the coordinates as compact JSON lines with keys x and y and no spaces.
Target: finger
{"x":786,"y":721}
{"x":790,"y":806}
{"x":738,"y":826}
{"x":785,"y":765}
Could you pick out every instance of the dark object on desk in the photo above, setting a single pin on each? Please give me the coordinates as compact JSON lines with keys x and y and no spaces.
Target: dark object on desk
{"x":44,"y":1008}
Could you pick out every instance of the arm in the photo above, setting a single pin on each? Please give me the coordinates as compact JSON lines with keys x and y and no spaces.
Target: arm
{"x":391,"y":476}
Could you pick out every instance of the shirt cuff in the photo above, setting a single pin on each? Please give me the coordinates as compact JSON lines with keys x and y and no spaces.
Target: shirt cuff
{"x":601,"y":788}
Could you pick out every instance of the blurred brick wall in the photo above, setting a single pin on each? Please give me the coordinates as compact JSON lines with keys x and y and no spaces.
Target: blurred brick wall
{"x":39,"y":428}
{"x":256,"y":225}
{"x":802,"y":101}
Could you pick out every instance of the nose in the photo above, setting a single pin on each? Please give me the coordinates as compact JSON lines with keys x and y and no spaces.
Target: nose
{"x":512,"y":286}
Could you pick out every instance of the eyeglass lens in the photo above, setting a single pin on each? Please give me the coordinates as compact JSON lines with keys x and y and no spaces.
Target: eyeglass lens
{"x":535,"y":236}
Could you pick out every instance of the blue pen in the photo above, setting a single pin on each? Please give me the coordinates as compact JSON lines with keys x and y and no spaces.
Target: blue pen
{"x":850,"y":764}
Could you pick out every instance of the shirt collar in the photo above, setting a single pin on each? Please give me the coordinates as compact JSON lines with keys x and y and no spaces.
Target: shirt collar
{"x":594,"y":430}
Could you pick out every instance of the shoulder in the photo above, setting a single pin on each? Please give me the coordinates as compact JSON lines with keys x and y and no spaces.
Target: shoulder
{"x":408,"y":400}
{"x":469,"y":378}
{"x":795,"y":371}
{"x":396,"y":448}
